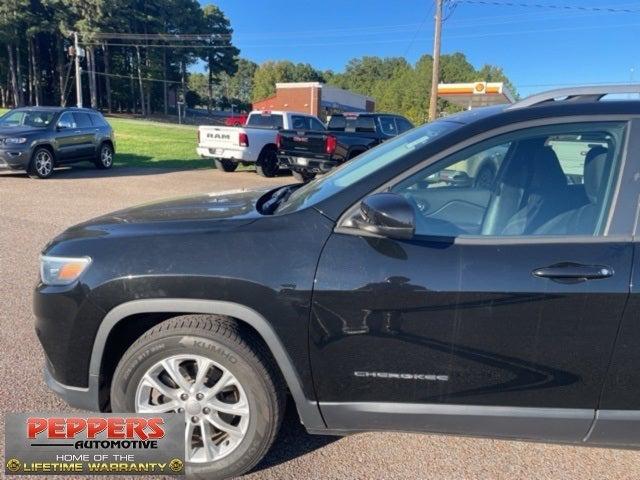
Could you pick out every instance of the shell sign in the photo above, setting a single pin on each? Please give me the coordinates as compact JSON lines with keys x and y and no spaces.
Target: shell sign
{"x":480,"y":88}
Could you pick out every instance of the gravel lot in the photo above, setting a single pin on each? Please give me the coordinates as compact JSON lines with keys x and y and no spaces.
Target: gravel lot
{"x":32,"y":211}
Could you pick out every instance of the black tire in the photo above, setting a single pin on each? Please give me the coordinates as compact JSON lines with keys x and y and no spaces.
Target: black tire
{"x":104,"y":160}
{"x":267,"y":164}
{"x":225,"y":165}
{"x":41,"y":164}
{"x":303,"y":175}
{"x":484,"y":178}
{"x":226,"y":343}
{"x":354,"y":154}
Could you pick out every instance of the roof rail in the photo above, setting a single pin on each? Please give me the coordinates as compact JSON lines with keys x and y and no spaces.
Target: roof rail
{"x":575,"y":94}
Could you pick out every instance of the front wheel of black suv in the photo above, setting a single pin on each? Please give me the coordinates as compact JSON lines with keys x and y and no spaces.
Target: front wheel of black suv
{"x":212,"y":371}
{"x":303,"y":175}
{"x":104,"y":160}
{"x":225,"y":165}
{"x":42,"y":163}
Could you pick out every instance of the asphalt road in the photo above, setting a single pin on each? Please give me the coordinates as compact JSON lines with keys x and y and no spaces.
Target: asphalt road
{"x":33,"y":211}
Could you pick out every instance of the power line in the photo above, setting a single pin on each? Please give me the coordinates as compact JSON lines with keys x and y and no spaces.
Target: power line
{"x":144,"y":45}
{"x":133,"y":77}
{"x":415,"y":35}
{"x":550,"y":6}
{"x":382,"y":41}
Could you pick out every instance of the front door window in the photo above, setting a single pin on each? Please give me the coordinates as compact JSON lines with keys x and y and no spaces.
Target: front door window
{"x":555,"y":180}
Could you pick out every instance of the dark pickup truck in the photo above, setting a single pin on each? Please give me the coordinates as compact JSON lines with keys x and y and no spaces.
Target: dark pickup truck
{"x":308,"y":152}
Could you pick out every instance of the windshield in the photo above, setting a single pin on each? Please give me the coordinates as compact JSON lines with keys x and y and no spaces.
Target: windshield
{"x":24,"y":118}
{"x":365,"y":164}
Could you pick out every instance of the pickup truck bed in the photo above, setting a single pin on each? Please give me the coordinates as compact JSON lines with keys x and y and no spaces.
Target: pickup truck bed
{"x":308,"y":153}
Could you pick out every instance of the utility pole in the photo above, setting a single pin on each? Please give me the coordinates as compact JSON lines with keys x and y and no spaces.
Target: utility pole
{"x":435,"y":76}
{"x":76,"y":48}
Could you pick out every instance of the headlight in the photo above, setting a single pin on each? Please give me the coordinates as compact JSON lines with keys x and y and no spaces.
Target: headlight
{"x":62,"y":270}
{"x":15,"y":140}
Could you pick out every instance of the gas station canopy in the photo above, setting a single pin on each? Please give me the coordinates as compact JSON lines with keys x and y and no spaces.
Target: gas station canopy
{"x":476,"y":94}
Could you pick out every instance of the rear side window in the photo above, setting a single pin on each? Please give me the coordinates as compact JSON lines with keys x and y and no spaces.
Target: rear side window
{"x":403,"y":124}
{"x":98,"y":121}
{"x":265,"y":120}
{"x":388,"y":126}
{"x":67,"y":120}
{"x":82,"y":120}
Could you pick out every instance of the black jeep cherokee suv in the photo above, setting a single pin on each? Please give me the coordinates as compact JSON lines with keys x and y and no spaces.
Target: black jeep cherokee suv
{"x":380,"y":297}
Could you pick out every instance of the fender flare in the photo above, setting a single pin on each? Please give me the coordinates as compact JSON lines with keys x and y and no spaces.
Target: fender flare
{"x":307,"y":409}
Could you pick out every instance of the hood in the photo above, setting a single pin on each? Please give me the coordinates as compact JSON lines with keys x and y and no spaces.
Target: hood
{"x":218,"y":205}
{"x":206,"y":211}
{"x":19,"y":131}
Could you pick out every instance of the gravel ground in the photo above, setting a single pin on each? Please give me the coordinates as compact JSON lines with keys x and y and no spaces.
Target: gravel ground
{"x":33,"y":211}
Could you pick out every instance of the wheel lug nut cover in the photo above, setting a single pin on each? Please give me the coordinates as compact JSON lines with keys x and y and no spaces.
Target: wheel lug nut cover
{"x":206,"y":410}
{"x":194,"y":419}
{"x":199,"y":396}
{"x":184,"y":396}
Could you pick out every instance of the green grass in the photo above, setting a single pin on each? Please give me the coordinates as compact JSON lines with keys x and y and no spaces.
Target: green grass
{"x":141,"y":143}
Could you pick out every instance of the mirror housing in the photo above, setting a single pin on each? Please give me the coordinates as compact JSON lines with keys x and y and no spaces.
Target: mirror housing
{"x":455,"y":178}
{"x":387,"y":214}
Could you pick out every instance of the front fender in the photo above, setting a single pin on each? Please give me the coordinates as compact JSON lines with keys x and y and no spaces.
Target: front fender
{"x":307,"y":408}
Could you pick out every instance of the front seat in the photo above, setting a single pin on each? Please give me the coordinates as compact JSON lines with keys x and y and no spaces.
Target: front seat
{"x":532,"y":191}
{"x":583,"y":220}
{"x":545,"y":195}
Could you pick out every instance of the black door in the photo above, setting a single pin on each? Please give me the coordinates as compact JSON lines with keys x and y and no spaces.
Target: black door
{"x":500,"y":315}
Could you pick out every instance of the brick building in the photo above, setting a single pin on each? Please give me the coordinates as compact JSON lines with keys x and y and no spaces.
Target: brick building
{"x":315,"y":98}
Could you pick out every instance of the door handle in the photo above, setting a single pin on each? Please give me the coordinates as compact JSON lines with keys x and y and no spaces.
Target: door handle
{"x":78,"y":131}
{"x":568,"y":272}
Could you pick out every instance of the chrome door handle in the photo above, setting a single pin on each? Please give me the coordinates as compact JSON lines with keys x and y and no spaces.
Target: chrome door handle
{"x":568,"y":272}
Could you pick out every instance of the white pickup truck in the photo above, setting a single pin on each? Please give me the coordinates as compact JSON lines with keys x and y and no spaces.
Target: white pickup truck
{"x":254,"y":142}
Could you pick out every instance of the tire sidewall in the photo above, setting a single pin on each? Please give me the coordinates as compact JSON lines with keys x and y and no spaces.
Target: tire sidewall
{"x":267,"y":164}
{"x":225,"y":165}
{"x":137,"y":361}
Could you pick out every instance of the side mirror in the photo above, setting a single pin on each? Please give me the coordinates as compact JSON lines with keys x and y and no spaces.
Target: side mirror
{"x":387,"y":214}
{"x":455,"y":178}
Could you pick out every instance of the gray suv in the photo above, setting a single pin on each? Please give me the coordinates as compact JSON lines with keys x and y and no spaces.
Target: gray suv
{"x":37,"y":139}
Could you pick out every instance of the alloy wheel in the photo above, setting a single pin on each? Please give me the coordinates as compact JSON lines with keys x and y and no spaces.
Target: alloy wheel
{"x":106,"y":156}
{"x":44,"y":163}
{"x":214,"y":404}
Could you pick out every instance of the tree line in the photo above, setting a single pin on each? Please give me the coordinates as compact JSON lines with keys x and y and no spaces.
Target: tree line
{"x":137,"y":54}
{"x":397,"y":85}
{"x":141,"y":56}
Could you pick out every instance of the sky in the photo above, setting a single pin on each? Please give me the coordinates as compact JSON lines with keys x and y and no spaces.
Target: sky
{"x":538,"y":48}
